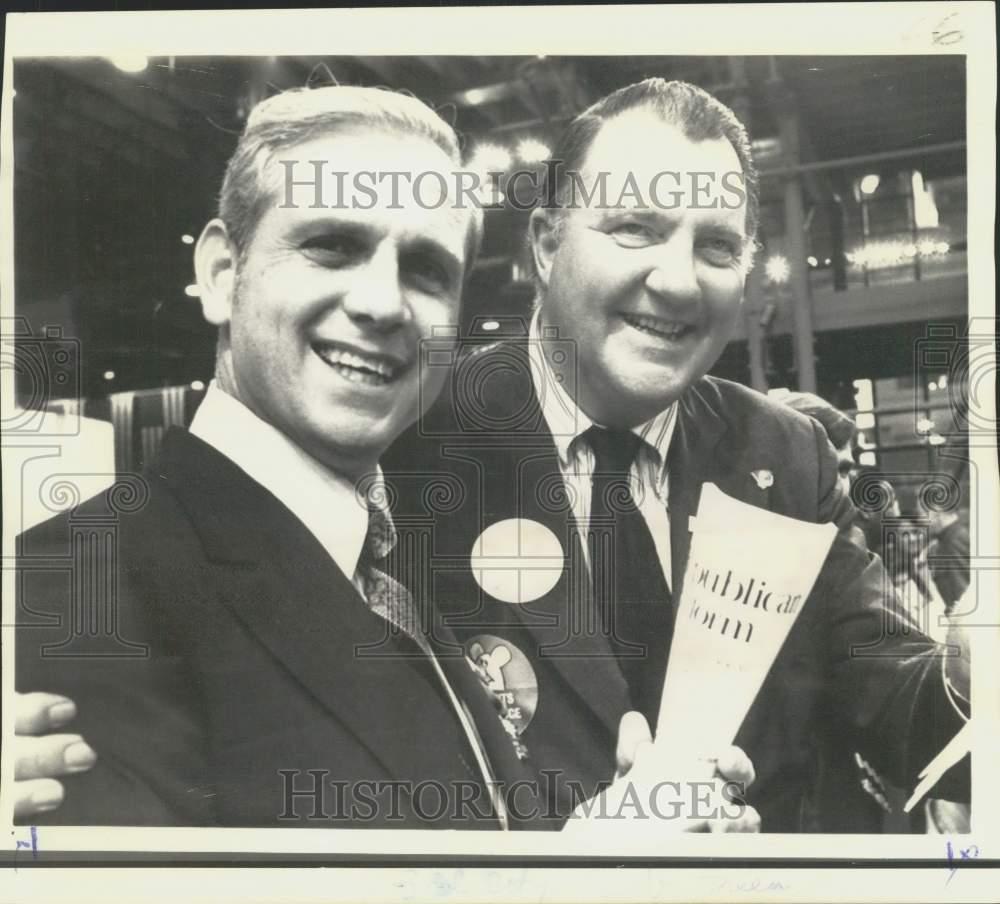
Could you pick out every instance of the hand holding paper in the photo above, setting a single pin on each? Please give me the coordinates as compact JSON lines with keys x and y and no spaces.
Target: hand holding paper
{"x":643,"y":803}
{"x":749,"y":573}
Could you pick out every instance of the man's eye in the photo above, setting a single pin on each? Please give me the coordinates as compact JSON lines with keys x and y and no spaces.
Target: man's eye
{"x":720,"y":250}
{"x":631,"y":234}
{"x":333,"y":250}
{"x":425,"y":273}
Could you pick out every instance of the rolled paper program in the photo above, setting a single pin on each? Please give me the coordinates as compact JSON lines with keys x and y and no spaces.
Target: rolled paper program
{"x":741,"y":595}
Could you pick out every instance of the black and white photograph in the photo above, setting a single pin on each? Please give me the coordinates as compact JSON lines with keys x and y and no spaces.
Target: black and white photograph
{"x":423,"y":423}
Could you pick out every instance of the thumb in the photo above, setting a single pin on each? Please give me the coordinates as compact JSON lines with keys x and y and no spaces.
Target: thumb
{"x":633,"y":733}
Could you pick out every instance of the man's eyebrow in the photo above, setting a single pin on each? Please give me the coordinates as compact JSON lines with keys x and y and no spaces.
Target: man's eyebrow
{"x":656,"y":216}
{"x":362,"y":227}
{"x":342,"y":224}
{"x":427,"y":245}
{"x":719,"y":230}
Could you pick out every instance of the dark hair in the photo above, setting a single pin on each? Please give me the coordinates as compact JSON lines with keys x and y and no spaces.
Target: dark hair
{"x":694,"y":111}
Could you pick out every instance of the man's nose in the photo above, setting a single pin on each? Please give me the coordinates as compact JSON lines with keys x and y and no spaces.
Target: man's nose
{"x":673,"y":275}
{"x":375,"y":297}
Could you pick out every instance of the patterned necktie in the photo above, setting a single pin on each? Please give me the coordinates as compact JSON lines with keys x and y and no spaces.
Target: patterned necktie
{"x":385,"y":595}
{"x":391,"y":600}
{"x":625,"y":568}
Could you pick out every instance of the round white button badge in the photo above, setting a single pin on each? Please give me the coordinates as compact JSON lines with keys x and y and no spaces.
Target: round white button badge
{"x":517,"y":560}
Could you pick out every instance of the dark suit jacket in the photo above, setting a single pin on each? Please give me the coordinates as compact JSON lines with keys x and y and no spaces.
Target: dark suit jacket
{"x":847,"y":675}
{"x":209,"y":642}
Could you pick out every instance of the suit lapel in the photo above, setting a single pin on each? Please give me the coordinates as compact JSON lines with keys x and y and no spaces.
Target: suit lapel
{"x":526,"y":483}
{"x":281,"y":584}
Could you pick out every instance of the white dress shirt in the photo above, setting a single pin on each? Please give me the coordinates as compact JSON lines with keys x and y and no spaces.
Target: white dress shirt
{"x":327,"y":504}
{"x":566,"y":423}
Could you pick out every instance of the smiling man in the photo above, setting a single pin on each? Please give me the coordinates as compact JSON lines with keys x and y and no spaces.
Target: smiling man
{"x":248,"y":573}
{"x":649,"y":293}
{"x":591,"y":441}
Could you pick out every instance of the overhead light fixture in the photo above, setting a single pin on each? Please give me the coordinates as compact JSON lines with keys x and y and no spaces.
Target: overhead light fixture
{"x":869,"y":184}
{"x":197,"y":385}
{"x":192,"y":291}
{"x":894,"y":254}
{"x":812,"y":261}
{"x":109,"y":375}
{"x":925,"y":212}
{"x":777,"y":268}
{"x":130,"y":62}
{"x":187,"y":239}
{"x":530,"y":150}
{"x":488,"y":158}
{"x":475,"y":96}
{"x":490,"y":326}
{"x":864,"y":395}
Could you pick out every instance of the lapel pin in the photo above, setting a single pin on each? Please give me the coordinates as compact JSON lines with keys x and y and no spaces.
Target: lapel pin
{"x":507,"y":675}
{"x":763,"y":478}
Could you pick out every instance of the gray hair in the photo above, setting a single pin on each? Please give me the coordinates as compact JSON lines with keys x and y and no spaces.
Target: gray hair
{"x":301,"y":114}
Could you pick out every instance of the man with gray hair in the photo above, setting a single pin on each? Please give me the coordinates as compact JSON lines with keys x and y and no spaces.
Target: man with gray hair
{"x":271,"y":686}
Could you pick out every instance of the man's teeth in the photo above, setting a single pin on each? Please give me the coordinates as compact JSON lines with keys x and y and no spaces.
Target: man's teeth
{"x":656,"y":326}
{"x":358,"y":368}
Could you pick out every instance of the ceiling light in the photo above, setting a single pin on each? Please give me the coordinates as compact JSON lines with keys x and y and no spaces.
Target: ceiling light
{"x":777,"y":268}
{"x":490,"y":158}
{"x":197,"y":385}
{"x":532,"y":151}
{"x":925,"y":212}
{"x":130,"y":62}
{"x":187,"y":239}
{"x":490,"y":326}
{"x":192,"y":291}
{"x":869,"y":184}
{"x":109,"y":375}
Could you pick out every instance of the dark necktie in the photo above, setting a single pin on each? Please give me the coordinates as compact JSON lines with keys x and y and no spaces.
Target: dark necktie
{"x":625,"y":568}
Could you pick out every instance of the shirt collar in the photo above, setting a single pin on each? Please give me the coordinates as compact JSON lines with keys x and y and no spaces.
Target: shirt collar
{"x":566,"y":422}
{"x":328,"y":504}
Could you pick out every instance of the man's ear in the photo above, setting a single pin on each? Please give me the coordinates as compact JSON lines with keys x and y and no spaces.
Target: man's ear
{"x":543,"y":227}
{"x":215,"y":270}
